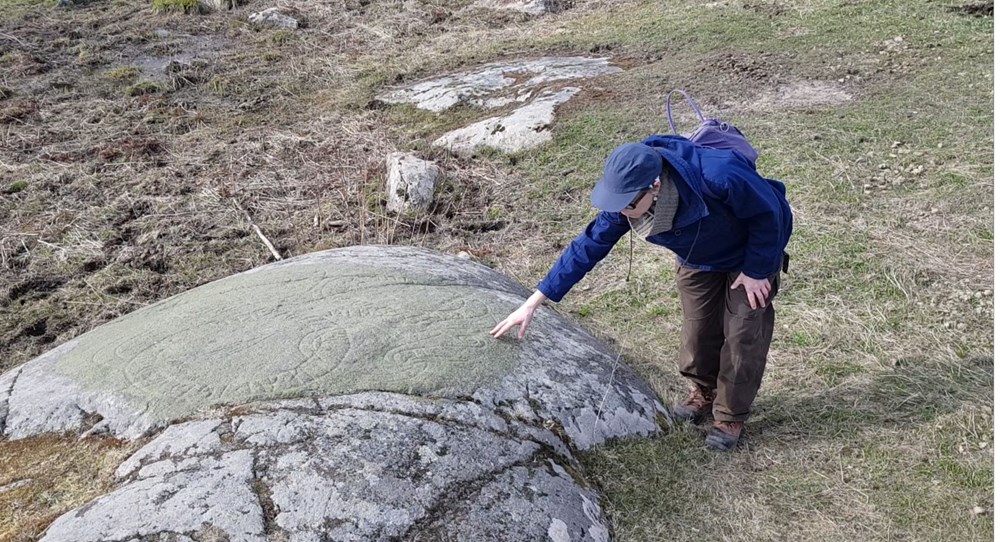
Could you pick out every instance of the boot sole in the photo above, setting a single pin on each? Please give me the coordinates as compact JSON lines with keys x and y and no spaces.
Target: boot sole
{"x":722,"y":442}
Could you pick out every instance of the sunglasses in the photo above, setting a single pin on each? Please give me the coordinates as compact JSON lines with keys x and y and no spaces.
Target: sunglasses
{"x":636,"y":201}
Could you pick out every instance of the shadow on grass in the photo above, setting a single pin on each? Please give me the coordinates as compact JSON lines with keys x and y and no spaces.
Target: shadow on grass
{"x":914,"y":391}
{"x":833,"y":452}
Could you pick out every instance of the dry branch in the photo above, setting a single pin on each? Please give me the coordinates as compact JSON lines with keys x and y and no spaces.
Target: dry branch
{"x":257,"y":230}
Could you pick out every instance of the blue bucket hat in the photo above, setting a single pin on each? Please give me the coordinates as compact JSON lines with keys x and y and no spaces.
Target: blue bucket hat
{"x":630,"y":169}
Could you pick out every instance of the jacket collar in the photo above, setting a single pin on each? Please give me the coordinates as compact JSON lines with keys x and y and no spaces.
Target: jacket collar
{"x":685,"y":169}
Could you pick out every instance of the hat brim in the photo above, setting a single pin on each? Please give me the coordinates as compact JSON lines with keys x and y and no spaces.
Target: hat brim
{"x":607,"y":200}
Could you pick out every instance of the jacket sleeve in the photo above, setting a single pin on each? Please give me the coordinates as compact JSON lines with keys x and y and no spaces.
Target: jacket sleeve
{"x":583,"y":253}
{"x":754,"y":200}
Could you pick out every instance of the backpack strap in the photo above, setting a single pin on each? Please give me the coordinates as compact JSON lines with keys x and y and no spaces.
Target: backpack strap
{"x":690,"y":101}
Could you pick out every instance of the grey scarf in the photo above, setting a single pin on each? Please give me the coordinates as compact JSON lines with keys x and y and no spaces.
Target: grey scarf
{"x":660,"y":216}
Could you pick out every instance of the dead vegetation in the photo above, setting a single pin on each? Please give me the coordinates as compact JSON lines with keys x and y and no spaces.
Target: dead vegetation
{"x":127,"y":133}
{"x":31,"y":497}
{"x":124,"y":154}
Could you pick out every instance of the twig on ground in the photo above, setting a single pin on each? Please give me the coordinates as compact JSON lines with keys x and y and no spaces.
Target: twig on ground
{"x":14,"y":38}
{"x":51,"y":245}
{"x":257,"y":230}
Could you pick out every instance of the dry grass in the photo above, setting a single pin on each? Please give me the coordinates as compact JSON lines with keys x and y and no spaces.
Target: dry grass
{"x":125,"y":195}
{"x":875,"y":420}
{"x":42,"y":478}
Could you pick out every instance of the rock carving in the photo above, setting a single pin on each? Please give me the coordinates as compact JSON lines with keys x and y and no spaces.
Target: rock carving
{"x":351,"y":394}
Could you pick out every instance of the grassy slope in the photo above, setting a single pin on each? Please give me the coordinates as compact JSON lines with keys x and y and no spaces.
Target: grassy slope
{"x":876,"y":417}
{"x":875,"y":421}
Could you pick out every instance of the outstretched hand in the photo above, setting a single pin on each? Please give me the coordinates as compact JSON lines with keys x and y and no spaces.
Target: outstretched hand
{"x":757,"y":290}
{"x":521,"y":317}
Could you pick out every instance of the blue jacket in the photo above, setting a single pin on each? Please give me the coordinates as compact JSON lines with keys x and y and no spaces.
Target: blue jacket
{"x":729,"y":218}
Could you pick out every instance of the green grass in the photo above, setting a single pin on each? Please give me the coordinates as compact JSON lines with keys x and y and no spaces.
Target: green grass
{"x":836,"y":371}
{"x":280,"y":37}
{"x":875,"y":419}
{"x":12,"y":10}
{"x":123,"y":73}
{"x":183,"y":6}
{"x":16,"y":187}
{"x":143,"y":87}
{"x":841,"y":377}
{"x":221,"y":85}
{"x":422,"y":124}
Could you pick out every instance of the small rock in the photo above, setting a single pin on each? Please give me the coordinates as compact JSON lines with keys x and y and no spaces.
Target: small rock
{"x":274,"y":17}
{"x":524,"y":128}
{"x":498,"y":84}
{"x":464,"y":255}
{"x":411,"y":183}
{"x":531,"y":7}
{"x":220,"y":5}
{"x":978,"y":510}
{"x":15,"y":485}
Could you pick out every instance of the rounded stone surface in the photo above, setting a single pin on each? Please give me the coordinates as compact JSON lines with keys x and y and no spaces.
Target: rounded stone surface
{"x":291,"y":331}
{"x":324,"y":325}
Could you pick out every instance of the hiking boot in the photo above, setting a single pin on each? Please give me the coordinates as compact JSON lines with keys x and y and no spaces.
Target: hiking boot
{"x":724,"y":436}
{"x":697,"y":406}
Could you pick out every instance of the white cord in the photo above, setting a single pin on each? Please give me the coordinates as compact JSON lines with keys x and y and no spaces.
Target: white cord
{"x":600,"y":408}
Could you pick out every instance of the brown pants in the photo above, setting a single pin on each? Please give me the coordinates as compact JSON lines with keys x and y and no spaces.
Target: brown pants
{"x":724,"y":342}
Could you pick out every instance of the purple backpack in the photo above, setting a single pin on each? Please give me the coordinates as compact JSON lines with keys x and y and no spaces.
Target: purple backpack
{"x":713,"y":133}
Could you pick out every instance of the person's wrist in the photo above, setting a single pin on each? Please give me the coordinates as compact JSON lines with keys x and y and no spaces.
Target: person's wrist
{"x":535,"y":300}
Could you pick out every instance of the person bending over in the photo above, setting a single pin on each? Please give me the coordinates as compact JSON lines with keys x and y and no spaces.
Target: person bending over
{"x":728,"y":227}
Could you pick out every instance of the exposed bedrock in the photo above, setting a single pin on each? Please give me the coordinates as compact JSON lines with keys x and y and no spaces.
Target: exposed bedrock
{"x":352,"y":394}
